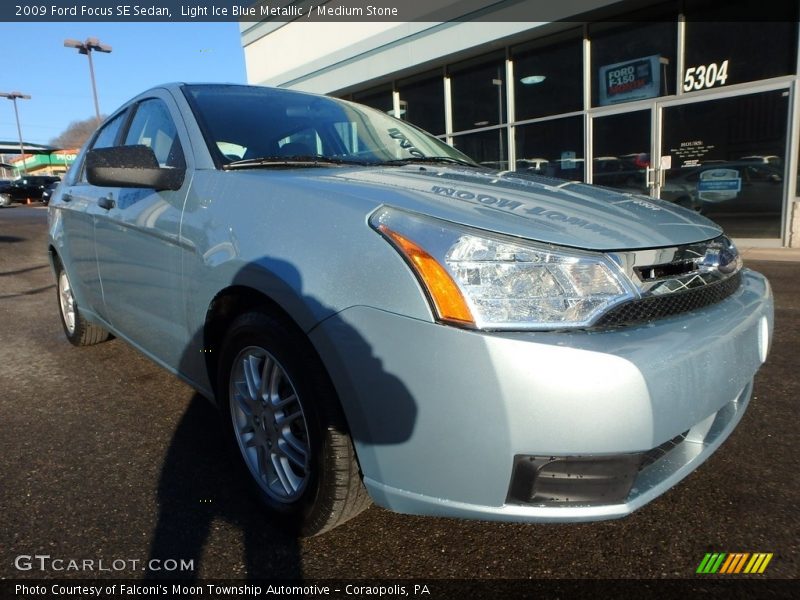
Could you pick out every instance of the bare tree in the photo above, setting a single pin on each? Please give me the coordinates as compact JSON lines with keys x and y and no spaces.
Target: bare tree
{"x":76,"y":133}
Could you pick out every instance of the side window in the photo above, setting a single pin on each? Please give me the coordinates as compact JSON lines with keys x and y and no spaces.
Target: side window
{"x":106,"y":138}
{"x":153,"y":127}
{"x":108,"y":134}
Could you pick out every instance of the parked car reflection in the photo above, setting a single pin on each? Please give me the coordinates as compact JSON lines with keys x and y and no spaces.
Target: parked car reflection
{"x":726,"y":187}
{"x":47,"y":193}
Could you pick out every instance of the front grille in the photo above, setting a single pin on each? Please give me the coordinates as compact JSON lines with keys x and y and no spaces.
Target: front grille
{"x":657,"y":307}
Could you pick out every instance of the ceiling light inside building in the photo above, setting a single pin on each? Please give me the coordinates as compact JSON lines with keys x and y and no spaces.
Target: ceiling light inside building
{"x":533,"y":79}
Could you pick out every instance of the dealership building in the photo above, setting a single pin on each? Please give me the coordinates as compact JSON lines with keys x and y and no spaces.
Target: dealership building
{"x":693,"y":101}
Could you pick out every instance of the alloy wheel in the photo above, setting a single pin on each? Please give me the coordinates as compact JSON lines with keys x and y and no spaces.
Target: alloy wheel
{"x":66,"y":301}
{"x":269,"y":424}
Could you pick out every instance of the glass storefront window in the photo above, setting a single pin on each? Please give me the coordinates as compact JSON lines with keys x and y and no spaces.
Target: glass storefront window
{"x":379,"y":98}
{"x":548,"y":76}
{"x":485,"y":147}
{"x":723,"y":51}
{"x":478,"y":90}
{"x":422,"y":102}
{"x":633,"y":61}
{"x":622,"y":151}
{"x":726,"y":159}
{"x":797,"y":184}
{"x":553,"y":148}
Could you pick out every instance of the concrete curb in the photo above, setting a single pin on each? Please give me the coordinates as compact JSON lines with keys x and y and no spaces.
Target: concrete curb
{"x":778,"y":254}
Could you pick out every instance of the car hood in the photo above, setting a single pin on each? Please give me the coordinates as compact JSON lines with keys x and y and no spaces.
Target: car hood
{"x":529,"y":206}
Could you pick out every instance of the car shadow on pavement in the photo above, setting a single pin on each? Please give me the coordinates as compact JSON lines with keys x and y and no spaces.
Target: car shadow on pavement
{"x":204,"y":479}
{"x":38,"y":290}
{"x":197,"y":488}
{"x":21,"y":271}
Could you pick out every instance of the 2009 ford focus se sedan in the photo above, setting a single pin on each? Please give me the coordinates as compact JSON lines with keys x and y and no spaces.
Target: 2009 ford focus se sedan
{"x":381,"y":319}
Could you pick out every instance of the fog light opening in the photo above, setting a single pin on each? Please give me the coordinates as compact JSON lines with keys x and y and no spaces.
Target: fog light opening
{"x":573,"y":480}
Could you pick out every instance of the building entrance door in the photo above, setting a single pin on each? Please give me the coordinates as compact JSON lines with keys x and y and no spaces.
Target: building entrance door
{"x":621,"y":150}
{"x":726,"y":158}
{"x":723,"y":155}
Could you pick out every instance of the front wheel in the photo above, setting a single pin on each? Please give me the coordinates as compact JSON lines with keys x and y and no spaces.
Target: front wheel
{"x":287,"y":426}
{"x":78,"y":330}
{"x":5,"y":200}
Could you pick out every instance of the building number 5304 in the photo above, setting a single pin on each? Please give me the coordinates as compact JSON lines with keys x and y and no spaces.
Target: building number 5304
{"x":705,"y":76}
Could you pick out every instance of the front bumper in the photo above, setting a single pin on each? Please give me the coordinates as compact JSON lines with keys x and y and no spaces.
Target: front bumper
{"x":438,"y":414}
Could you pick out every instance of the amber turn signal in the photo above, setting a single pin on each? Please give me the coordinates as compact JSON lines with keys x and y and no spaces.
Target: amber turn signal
{"x":447,"y":299}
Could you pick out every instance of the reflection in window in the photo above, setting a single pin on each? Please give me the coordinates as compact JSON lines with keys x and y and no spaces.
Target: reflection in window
{"x":727,"y":160}
{"x":422,"y":102}
{"x":379,"y":98}
{"x":152,"y":126}
{"x":737,"y":50}
{"x":231,"y":151}
{"x":486,"y":147}
{"x":301,"y":143}
{"x":548,"y":77}
{"x":622,"y":151}
{"x":553,"y":148}
{"x":633,"y":61}
{"x":479,"y":93}
{"x":269,"y":122}
{"x":108,"y":135}
{"x":106,"y":138}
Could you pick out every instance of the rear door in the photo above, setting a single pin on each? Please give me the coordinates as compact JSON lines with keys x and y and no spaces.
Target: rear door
{"x":137,"y":237}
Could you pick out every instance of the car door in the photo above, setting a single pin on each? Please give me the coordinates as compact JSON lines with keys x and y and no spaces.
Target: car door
{"x":137,"y":237}
{"x":77,"y":211}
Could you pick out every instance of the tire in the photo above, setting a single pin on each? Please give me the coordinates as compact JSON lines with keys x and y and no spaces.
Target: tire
{"x":78,"y":330}
{"x":5,"y":200}
{"x":286,"y":426}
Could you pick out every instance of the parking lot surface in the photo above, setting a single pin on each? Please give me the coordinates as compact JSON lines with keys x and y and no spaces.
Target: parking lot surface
{"x":107,"y":456}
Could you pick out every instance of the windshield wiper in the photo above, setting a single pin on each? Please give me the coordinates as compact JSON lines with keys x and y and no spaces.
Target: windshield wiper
{"x":309,"y":160}
{"x":430,"y":159}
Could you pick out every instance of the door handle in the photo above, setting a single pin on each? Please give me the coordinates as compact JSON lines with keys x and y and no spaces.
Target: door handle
{"x":107,"y":202}
{"x":650,"y":176}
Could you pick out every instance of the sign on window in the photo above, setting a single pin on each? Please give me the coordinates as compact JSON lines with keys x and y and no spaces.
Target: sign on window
{"x":635,"y":79}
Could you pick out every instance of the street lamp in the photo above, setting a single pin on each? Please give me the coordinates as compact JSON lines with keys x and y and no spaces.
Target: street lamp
{"x":13,"y":96}
{"x":86,"y":48}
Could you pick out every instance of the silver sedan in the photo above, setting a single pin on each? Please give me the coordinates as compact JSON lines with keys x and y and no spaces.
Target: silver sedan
{"x":381,"y":319}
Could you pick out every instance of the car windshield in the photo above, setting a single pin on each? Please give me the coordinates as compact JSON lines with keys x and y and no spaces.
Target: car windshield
{"x":249,"y":126}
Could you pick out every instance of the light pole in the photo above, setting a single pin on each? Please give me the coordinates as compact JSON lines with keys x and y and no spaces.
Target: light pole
{"x":91,"y":44}
{"x":13,"y":97}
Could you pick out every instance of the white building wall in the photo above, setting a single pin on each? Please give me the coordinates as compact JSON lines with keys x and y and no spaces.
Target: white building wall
{"x":324,"y":57}
{"x":320,"y":57}
{"x":271,"y":60}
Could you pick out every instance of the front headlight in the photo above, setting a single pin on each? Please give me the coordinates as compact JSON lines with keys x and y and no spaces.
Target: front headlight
{"x":480,"y":279}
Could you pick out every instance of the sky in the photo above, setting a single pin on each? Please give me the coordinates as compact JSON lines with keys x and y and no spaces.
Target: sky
{"x":143,"y":55}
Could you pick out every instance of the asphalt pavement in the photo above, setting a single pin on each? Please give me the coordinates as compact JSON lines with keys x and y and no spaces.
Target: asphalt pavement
{"x":105,"y":456}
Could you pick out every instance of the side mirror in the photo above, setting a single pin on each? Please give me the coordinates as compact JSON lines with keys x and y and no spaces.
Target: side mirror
{"x":131,"y":166}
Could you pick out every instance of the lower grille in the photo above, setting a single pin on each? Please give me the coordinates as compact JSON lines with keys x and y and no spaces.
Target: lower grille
{"x":656,"y":307}
{"x":581,"y":480}
{"x":651,"y":456}
{"x":572,"y":480}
